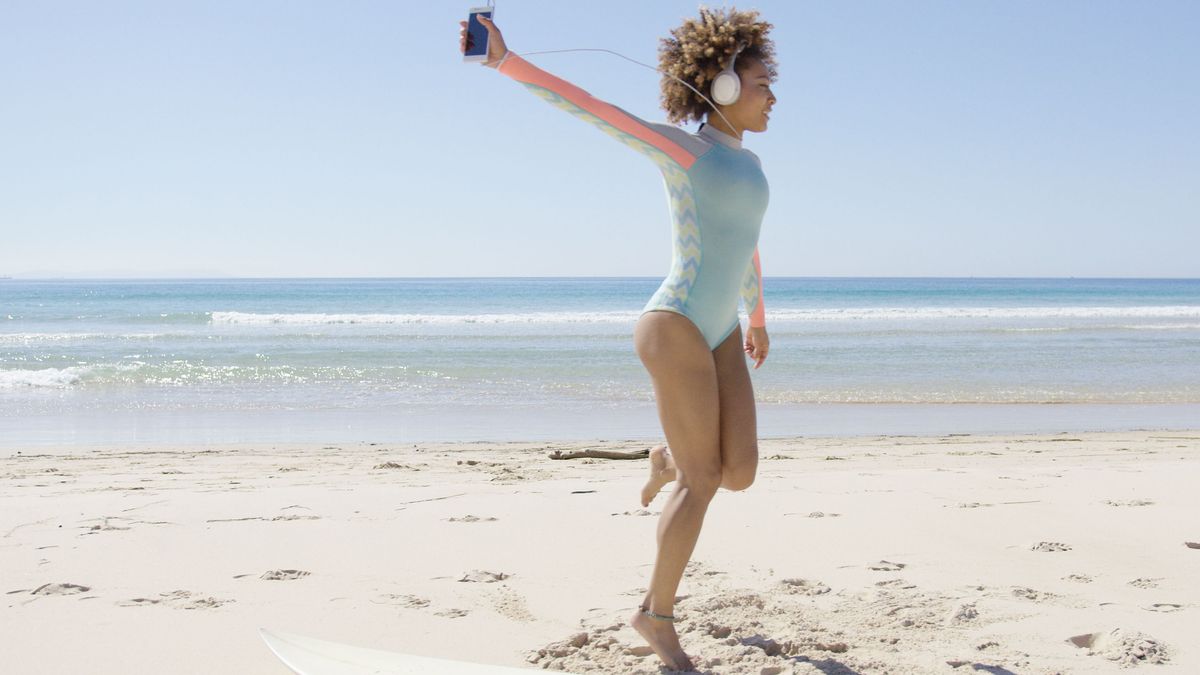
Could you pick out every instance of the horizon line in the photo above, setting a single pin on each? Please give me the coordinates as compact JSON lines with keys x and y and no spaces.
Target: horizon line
{"x":274,"y":278}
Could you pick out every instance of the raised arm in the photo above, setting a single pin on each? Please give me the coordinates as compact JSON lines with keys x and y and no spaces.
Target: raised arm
{"x":649,"y":138}
{"x":751,"y":292}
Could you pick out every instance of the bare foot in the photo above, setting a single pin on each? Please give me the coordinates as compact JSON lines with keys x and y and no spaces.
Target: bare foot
{"x":662,"y":638}
{"x":662,"y":471}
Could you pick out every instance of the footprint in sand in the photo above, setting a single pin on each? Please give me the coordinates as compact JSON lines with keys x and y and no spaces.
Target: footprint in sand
{"x":796,"y":586}
{"x":179,"y":599}
{"x":1050,"y":546}
{"x":484,"y":576}
{"x":404,"y":600}
{"x":1078,"y":578}
{"x":138,"y":602}
{"x":283,"y":575}
{"x":1164,"y":607}
{"x":1031,"y":594}
{"x":410,"y":601}
{"x":58,"y":589}
{"x":886,"y":566}
{"x":1146,"y":582}
{"x":472,"y":519}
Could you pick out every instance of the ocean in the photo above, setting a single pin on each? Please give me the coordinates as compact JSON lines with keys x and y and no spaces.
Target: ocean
{"x":395,"y":360}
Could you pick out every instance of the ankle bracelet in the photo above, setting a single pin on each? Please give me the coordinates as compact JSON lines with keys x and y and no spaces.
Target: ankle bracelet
{"x":663,"y":617}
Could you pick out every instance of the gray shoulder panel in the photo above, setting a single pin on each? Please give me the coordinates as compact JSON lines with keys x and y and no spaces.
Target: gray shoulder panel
{"x":685,"y":139}
{"x":688,"y":141}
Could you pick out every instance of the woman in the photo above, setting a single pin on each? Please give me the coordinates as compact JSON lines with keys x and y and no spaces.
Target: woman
{"x":688,"y":335}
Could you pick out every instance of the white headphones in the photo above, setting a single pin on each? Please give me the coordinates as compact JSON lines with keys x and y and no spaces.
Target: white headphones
{"x":727,"y":86}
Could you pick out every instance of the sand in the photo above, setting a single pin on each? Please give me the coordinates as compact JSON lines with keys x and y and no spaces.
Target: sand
{"x":1049,"y":553}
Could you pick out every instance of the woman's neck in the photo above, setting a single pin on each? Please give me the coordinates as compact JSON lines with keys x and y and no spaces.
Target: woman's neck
{"x":718,"y":122}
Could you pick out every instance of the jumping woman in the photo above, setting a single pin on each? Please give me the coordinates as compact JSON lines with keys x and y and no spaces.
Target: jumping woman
{"x":688,"y":335}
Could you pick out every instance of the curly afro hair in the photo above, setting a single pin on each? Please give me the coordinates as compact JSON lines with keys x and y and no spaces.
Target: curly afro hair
{"x":700,"y":49}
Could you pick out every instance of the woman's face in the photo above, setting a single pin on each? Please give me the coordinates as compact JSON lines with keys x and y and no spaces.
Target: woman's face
{"x":754,"y":103}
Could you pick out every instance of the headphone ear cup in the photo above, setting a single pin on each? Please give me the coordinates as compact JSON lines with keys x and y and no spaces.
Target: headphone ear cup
{"x":726,"y":88}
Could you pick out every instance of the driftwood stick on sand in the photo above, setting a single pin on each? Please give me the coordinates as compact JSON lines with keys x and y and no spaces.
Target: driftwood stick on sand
{"x":600,"y":454}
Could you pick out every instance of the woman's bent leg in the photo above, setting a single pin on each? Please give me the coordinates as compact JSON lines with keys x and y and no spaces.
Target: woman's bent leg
{"x":684,"y":376}
{"x":739,"y":424}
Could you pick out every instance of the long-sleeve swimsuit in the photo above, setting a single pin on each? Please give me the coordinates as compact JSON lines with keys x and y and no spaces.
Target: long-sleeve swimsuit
{"x":717,"y":195}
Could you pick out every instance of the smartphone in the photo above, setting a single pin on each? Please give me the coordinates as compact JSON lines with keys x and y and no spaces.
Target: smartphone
{"x":477,"y":35}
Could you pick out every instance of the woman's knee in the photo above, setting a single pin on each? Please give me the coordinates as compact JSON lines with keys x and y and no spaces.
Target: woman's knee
{"x":738,"y":478}
{"x":697,"y":462}
{"x":703,"y":487}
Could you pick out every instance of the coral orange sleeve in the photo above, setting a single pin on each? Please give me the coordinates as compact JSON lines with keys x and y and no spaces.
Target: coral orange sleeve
{"x":629,"y":129}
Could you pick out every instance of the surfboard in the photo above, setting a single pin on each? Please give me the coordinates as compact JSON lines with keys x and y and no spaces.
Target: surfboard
{"x":310,"y":656}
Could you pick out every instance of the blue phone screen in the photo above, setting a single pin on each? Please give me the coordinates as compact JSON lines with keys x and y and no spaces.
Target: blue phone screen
{"x":477,"y":35}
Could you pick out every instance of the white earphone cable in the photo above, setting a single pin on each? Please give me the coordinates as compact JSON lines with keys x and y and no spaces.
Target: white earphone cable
{"x":555,"y":51}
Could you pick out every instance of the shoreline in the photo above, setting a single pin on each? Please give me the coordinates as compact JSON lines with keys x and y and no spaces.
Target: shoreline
{"x":300,"y":448}
{"x":478,"y":423}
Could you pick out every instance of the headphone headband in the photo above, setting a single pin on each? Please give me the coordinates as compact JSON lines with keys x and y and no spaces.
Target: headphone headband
{"x":740,"y":47}
{"x":727,"y":86}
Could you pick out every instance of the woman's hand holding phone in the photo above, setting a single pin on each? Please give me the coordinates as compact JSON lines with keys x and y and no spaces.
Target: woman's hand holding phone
{"x":496,"y":47}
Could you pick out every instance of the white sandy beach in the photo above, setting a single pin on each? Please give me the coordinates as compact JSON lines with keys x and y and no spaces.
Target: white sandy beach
{"x":880,"y":554}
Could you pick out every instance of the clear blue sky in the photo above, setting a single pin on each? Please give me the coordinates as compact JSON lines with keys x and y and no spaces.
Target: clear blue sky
{"x":331,"y":139}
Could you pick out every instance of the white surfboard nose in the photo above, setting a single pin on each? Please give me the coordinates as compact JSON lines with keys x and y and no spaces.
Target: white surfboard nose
{"x":310,"y":656}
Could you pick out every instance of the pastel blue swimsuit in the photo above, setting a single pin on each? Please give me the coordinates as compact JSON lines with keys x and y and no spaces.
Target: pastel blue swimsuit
{"x":717,"y":194}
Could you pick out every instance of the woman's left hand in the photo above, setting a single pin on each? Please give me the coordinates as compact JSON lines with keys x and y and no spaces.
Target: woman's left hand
{"x":757,"y":345}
